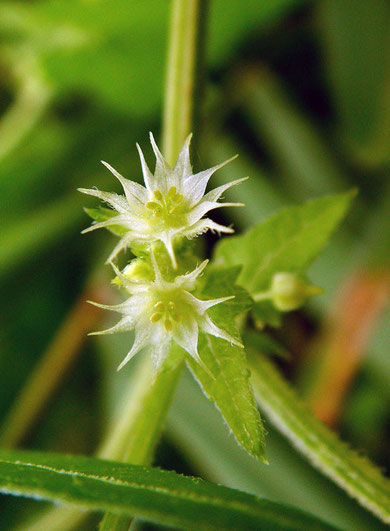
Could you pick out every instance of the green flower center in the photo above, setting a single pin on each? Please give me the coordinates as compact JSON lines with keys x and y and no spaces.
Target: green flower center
{"x":168,"y":312}
{"x":168,"y":209}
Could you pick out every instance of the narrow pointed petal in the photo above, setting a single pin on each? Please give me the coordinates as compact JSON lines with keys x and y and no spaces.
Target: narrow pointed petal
{"x":133,"y":191}
{"x":125,"y":325}
{"x":203,"y":226}
{"x":159,"y":352}
{"x":114,"y":200}
{"x":167,"y":241}
{"x":162,"y":167}
{"x":116,"y":220}
{"x":205,"y":206}
{"x":158,"y":277}
{"x":186,"y":336}
{"x":120,"y":246}
{"x":209,"y":327}
{"x":183,"y":167}
{"x":194,"y":186}
{"x":203,"y":306}
{"x":149,"y":179}
{"x":216,"y":193}
{"x":114,"y":308}
{"x":188,"y":280}
{"x":141,"y":340}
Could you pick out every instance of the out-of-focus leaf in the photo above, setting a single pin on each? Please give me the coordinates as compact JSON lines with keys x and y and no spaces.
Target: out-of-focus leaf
{"x":153,"y":494}
{"x":356,"y":43}
{"x":308,"y":165}
{"x":237,"y":22}
{"x":23,"y":237}
{"x":259,"y":193}
{"x":99,"y":48}
{"x":229,"y":387}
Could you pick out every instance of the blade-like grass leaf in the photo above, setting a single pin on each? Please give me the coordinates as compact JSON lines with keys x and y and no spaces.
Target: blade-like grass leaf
{"x":153,"y":494}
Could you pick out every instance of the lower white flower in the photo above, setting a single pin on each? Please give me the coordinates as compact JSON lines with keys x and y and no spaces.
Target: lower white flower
{"x":161,"y":312}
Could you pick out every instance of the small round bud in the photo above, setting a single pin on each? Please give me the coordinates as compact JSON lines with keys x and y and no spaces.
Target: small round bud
{"x":139,"y":270}
{"x":290,"y":292}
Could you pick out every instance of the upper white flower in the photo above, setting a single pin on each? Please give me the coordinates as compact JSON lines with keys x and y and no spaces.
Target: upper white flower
{"x":161,"y":312}
{"x":172,"y":203}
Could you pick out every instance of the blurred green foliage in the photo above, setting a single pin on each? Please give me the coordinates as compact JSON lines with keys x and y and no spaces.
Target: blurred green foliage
{"x":298,"y":88}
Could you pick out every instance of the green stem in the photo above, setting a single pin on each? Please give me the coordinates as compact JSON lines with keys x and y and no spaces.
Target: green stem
{"x":138,"y":429}
{"x":183,"y":60}
{"x":353,"y":473}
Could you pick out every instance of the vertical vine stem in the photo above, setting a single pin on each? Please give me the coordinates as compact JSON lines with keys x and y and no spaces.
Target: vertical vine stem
{"x":141,"y":427}
{"x":349,"y":470}
{"x":184,"y":50}
{"x":138,"y":429}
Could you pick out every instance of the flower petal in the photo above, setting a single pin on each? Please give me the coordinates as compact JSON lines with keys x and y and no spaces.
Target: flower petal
{"x":204,"y":225}
{"x":120,"y":246}
{"x":216,"y":193}
{"x":116,"y":220}
{"x":149,"y":179}
{"x":162,"y":170}
{"x":195,"y":185}
{"x":205,"y":206}
{"x":159,"y":352}
{"x":167,"y":240}
{"x":203,"y":306}
{"x":183,"y":167}
{"x":186,"y":336}
{"x":116,"y":201}
{"x":209,"y":327}
{"x":124,"y":325}
{"x":132,"y":189}
{"x":142,"y":338}
{"x":187,"y":281}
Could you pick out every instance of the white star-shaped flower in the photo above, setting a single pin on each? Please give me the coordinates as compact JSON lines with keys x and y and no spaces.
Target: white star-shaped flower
{"x":161,"y":312}
{"x":172,"y":203}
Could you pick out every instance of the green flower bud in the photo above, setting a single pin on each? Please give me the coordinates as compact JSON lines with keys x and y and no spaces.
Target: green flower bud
{"x":138,"y":270}
{"x":290,"y":292}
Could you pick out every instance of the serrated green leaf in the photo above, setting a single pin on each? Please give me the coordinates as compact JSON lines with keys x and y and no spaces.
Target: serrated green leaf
{"x":230,"y":388}
{"x":231,"y":391}
{"x":288,"y":242}
{"x":102,"y":214}
{"x":153,"y":494}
